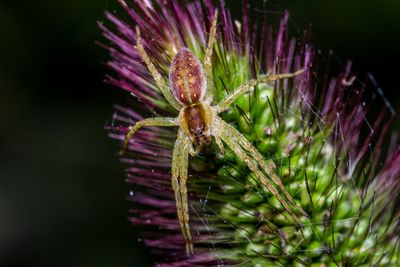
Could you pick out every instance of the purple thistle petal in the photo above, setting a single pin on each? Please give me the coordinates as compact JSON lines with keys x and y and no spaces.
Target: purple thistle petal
{"x":227,"y":27}
{"x":246,"y":25}
{"x":280,"y":41}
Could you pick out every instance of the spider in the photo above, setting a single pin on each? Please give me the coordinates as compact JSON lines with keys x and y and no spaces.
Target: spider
{"x":191,"y":92}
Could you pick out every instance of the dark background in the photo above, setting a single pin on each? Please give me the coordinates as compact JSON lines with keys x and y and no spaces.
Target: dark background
{"x":62,"y":190}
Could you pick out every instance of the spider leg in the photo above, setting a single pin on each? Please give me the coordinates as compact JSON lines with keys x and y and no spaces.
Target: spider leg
{"x":267,"y":167}
{"x":248,"y":86}
{"x":194,"y":151}
{"x":207,"y":59}
{"x":179,"y":177}
{"x":231,"y":140}
{"x":219,"y":144}
{"x":159,"y":121}
{"x":154,"y":72}
{"x":183,"y":172}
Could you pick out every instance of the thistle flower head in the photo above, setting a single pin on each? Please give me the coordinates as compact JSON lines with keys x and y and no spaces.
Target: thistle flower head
{"x":322,"y":134}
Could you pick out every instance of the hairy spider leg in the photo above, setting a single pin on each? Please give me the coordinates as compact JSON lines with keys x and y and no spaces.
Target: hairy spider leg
{"x":158,"y":121}
{"x":207,"y":60}
{"x":267,"y":167}
{"x":162,"y":85}
{"x":230,"y":139}
{"x":179,"y":177}
{"x":248,"y":86}
{"x":219,"y":144}
{"x":194,"y":151}
{"x":183,"y":190}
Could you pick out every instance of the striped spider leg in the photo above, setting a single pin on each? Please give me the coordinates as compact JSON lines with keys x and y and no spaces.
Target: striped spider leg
{"x":186,"y":93}
{"x":249,"y":85}
{"x":180,"y":159}
{"x":252,"y":158}
{"x":246,"y":151}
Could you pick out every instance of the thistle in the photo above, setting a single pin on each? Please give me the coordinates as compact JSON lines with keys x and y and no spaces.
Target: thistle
{"x":320,"y":138}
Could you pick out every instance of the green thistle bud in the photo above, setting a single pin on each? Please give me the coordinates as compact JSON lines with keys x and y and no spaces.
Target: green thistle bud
{"x":310,"y":134}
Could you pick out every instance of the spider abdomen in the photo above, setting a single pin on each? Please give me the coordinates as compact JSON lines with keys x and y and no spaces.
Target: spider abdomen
{"x":187,"y":78}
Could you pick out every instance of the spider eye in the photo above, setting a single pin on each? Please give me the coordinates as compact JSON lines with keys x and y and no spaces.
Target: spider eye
{"x":197,"y":131}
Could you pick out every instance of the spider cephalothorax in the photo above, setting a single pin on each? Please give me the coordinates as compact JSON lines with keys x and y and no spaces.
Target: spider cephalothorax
{"x":196,"y":121}
{"x":191,"y":92}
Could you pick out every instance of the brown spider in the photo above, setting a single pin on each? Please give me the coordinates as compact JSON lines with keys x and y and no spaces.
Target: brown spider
{"x":191,"y":92}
